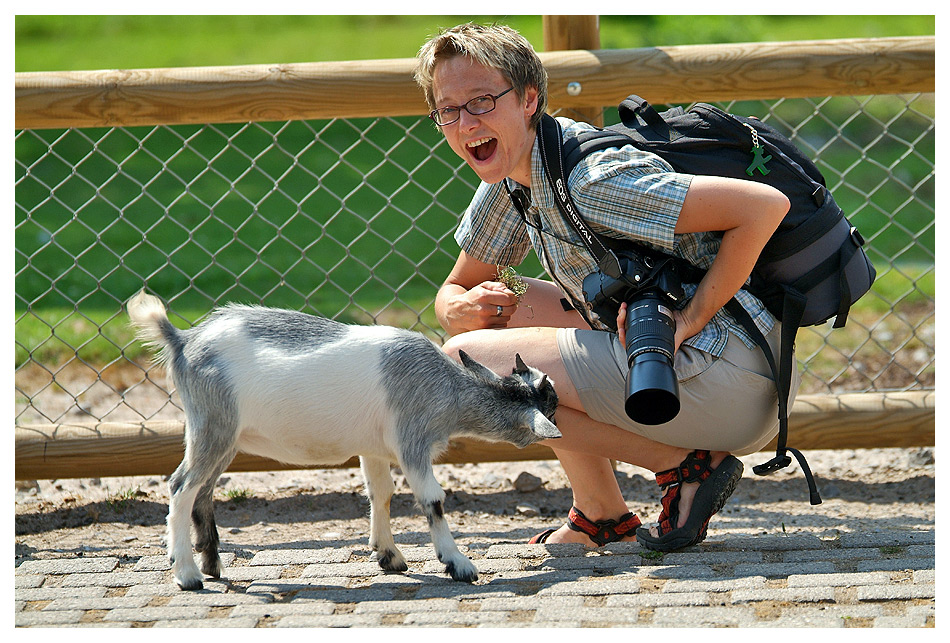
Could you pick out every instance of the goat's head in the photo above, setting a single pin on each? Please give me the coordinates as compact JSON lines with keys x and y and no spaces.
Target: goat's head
{"x":529,"y":389}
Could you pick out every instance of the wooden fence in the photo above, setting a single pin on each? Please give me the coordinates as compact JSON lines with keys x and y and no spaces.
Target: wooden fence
{"x":351,"y":89}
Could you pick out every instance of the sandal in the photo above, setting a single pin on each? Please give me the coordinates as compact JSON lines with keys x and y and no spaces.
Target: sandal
{"x":715,"y":486}
{"x":601,"y":532}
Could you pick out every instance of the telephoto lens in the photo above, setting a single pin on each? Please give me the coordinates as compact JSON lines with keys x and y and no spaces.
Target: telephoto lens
{"x":652,"y":388}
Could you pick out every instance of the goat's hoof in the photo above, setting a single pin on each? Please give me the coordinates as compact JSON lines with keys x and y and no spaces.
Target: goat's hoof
{"x":190,"y":585}
{"x":391,"y":561}
{"x":212,"y":568}
{"x":462,"y":572}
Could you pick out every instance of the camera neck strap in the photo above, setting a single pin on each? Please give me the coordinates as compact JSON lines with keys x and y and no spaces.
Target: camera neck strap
{"x":552,"y":159}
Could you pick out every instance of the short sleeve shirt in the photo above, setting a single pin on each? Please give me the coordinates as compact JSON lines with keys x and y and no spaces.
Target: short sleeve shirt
{"x":623,"y":193}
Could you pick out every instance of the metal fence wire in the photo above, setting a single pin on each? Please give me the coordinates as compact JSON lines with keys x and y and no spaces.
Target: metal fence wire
{"x":353,"y":219}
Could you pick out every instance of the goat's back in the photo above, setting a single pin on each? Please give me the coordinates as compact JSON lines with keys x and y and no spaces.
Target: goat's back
{"x":299,"y":388}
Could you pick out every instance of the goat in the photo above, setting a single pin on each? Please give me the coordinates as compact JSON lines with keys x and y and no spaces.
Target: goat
{"x":307,"y":390}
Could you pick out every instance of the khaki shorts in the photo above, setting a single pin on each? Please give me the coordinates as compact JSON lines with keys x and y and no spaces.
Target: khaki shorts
{"x":727,"y":403}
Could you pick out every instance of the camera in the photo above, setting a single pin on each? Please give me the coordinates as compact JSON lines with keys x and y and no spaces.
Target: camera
{"x":651,"y":287}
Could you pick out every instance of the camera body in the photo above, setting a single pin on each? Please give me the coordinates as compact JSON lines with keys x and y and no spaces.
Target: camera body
{"x":650,"y":287}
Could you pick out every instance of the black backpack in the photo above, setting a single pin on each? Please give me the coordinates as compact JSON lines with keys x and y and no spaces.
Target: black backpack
{"x":813,"y":268}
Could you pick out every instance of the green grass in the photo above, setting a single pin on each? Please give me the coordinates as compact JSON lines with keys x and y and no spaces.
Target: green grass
{"x":61,"y":43}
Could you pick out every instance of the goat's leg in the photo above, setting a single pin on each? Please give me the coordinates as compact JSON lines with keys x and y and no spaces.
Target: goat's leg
{"x":183,"y":489}
{"x":430,"y":496}
{"x":380,"y":488}
{"x":202,"y":515}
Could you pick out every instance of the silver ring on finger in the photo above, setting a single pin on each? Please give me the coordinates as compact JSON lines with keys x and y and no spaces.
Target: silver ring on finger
{"x":500,"y":311}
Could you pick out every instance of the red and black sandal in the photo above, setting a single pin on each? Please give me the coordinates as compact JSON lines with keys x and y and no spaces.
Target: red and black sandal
{"x":715,"y":487}
{"x":601,"y":532}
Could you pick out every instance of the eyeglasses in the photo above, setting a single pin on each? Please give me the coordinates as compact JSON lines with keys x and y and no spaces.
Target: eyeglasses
{"x":476,"y":107}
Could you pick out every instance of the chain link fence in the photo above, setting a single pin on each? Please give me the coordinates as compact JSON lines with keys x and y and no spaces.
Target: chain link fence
{"x":353,"y":219}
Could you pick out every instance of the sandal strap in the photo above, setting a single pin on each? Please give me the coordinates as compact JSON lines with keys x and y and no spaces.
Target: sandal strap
{"x":694,"y":468}
{"x":602,"y":532}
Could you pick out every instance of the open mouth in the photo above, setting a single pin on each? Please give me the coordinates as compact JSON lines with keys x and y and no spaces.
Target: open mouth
{"x":482,"y":148}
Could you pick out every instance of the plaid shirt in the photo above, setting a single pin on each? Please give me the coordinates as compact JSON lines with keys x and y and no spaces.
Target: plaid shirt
{"x":622,"y":193}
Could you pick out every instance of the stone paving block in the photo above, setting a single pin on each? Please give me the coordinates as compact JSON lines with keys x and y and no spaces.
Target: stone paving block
{"x":768,"y":543}
{"x":545,"y":577}
{"x":244,"y":622}
{"x":280,"y":610}
{"x":773,"y":570}
{"x":509,"y":603}
{"x":785,"y":594}
{"x":586,"y":615}
{"x":592,"y":587}
{"x":43,"y":618}
{"x":841,"y":579}
{"x":651,"y":600}
{"x":28,"y":580}
{"x":114,"y":579}
{"x":833,"y":555}
{"x":329,"y":620}
{"x":699,"y":616}
{"x":98,"y":603}
{"x":465,"y":619}
{"x":149,"y":614}
{"x":712,"y":558}
{"x":318,"y":570}
{"x":724,"y":584}
{"x":895,"y":592}
{"x":460,"y":591}
{"x":301,"y":556}
{"x":68,"y":566}
{"x":896,"y":564}
{"x":891,"y":538}
{"x":811,"y":620}
{"x":677,"y":571}
{"x":169,"y":589}
{"x":925,"y":576}
{"x":252,"y":573}
{"x":162,"y":563}
{"x":286,"y":585}
{"x":352,"y":595}
{"x":53,"y":593}
{"x":214,"y":599}
{"x":441,"y":605}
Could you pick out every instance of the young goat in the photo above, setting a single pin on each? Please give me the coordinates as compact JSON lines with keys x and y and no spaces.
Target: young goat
{"x":307,"y":390}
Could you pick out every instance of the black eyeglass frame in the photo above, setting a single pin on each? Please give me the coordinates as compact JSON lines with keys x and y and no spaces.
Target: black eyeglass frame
{"x":434,"y":113}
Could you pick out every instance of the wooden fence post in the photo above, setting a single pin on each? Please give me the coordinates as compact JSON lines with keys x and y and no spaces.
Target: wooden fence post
{"x":564,"y":33}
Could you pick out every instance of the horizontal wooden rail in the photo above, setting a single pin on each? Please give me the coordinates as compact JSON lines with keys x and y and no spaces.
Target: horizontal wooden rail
{"x":860,"y":420}
{"x":375,"y":88}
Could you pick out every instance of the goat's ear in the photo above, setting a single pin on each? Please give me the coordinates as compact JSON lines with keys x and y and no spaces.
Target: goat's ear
{"x":520,"y":367}
{"x":475,"y":367}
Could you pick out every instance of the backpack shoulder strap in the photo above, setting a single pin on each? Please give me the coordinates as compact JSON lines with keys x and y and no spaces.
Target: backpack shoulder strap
{"x":782,"y":376}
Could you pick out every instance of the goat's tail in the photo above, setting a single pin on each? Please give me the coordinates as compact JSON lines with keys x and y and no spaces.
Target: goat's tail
{"x":148,"y":317}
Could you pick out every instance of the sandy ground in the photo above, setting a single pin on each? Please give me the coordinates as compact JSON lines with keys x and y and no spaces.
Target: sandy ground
{"x":863,"y":491}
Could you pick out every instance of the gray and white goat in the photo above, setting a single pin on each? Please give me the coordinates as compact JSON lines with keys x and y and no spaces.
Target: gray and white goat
{"x":307,"y":390}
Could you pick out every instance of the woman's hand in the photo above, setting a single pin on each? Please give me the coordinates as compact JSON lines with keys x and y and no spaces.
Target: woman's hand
{"x":684,"y":326}
{"x":490,"y":304}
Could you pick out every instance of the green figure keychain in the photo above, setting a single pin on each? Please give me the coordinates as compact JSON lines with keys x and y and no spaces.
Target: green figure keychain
{"x":758,"y":160}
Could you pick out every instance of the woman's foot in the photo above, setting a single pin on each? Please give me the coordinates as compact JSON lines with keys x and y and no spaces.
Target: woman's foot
{"x":695,"y":491}
{"x":591,"y":533}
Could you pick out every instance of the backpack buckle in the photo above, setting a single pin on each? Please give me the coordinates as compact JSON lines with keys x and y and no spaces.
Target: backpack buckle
{"x":773,"y":465}
{"x":856,"y":237}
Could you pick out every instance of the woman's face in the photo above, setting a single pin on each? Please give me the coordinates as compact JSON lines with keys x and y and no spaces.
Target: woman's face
{"x":496,"y":144}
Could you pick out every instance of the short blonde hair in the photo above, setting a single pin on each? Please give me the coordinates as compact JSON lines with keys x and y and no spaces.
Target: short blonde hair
{"x":493,"y":46}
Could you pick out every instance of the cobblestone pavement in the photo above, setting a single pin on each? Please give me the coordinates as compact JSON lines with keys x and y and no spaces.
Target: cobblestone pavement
{"x":883,"y":579}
